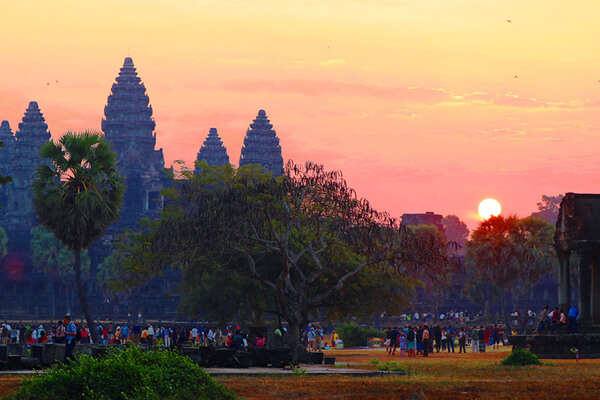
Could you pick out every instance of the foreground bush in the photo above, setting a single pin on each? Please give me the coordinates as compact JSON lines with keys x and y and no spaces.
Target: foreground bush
{"x":130,"y":374}
{"x":354,"y":335}
{"x":520,"y":357}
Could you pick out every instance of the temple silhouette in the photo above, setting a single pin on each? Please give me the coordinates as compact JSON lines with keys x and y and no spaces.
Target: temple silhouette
{"x":129,"y":127}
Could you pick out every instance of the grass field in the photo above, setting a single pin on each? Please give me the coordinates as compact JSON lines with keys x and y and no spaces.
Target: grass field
{"x":441,"y":376}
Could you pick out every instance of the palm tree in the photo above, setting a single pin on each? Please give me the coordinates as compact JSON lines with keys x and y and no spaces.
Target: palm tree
{"x":77,"y":196}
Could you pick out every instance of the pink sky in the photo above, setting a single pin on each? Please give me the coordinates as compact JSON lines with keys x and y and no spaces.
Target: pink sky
{"x":414,"y":100}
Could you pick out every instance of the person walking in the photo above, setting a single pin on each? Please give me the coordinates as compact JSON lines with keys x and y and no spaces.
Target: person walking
{"x":475,"y":340}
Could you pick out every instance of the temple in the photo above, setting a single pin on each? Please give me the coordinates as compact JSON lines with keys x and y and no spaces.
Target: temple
{"x":261,"y":146}
{"x":129,"y":128}
{"x":212,"y":151}
{"x":23,"y":153}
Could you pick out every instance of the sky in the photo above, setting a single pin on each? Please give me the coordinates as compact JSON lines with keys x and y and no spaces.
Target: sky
{"x":425,"y":105}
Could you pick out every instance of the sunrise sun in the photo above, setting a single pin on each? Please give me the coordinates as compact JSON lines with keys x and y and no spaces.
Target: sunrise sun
{"x":488,"y":208}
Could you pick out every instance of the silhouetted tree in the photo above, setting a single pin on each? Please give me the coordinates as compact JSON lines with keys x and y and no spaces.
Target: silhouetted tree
{"x":78,"y":196}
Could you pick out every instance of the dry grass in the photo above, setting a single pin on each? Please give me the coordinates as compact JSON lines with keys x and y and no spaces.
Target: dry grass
{"x":441,"y":376}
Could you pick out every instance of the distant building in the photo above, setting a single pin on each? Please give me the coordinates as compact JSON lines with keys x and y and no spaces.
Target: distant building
{"x":213,"y":152}
{"x":429,"y":218}
{"x":261,"y":146}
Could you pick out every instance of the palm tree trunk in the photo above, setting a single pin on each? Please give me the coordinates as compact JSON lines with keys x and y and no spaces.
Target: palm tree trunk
{"x":52,"y":304}
{"x":84,"y":305}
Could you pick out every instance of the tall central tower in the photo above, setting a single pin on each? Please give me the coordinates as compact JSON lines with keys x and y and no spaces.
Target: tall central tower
{"x":129,"y":128}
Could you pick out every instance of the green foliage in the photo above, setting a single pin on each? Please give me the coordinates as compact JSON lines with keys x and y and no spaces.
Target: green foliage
{"x":520,"y":357}
{"x":354,"y":335}
{"x":3,"y":242}
{"x":392,"y":366}
{"x":79,"y":194}
{"x":130,"y":374}
{"x":297,"y":371}
{"x":52,"y":258}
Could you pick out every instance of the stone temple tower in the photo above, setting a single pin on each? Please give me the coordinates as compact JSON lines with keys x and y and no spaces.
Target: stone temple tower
{"x":129,"y":128}
{"x":213,"y":152}
{"x":25,"y":158}
{"x":6,"y":137}
{"x":261,"y":146}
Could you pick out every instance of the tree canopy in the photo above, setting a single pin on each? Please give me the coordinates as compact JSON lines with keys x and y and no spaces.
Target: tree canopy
{"x":305,"y":236}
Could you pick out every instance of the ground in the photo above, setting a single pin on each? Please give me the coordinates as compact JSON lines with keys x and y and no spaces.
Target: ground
{"x":441,"y":376}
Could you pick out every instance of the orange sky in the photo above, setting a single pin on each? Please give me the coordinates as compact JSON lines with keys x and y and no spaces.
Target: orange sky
{"x":414,"y":100}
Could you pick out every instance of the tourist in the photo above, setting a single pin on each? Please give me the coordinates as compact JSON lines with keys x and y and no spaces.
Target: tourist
{"x":4,"y":334}
{"x":419,"y":340}
{"x":260,"y":340}
{"x":388,"y":340}
{"x":481,"y":335}
{"x":542,"y":320}
{"x":462,"y":341}
{"x":319,"y":337}
{"x":554,"y":318}
{"x":562,"y":319}
{"x":572,"y":318}
{"x":144,"y":336}
{"x":395,"y":336}
{"x":410,"y":341}
{"x":59,"y":335}
{"x":444,"y":339}
{"x":310,"y":338}
{"x":437,"y":335}
{"x":71,"y":338}
{"x":150,"y":337}
{"x":124,"y":333}
{"x":237,"y":341}
{"x":450,"y":339}
{"x":334,"y":338}
{"x":117,"y":336}
{"x":425,"y":336}
{"x":136,"y":332}
{"x":402,"y":344}
{"x":495,"y":337}
{"x":85,"y":334}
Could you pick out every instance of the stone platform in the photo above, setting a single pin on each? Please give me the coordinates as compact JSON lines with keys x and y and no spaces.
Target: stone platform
{"x":553,"y":346}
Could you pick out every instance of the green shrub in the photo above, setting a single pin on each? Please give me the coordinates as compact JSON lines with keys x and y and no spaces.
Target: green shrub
{"x":131,"y":374}
{"x":354,"y":335}
{"x":520,"y":357}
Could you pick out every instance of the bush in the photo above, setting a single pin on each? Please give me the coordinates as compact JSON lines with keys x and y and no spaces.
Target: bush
{"x":354,"y":335}
{"x":520,"y":357}
{"x":130,"y":374}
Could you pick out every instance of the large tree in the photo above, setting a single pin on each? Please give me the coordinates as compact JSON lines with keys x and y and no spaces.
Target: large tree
{"x":304,"y":236}
{"x":548,"y":208}
{"x":508,"y":252}
{"x":77,"y":196}
{"x":56,"y":262}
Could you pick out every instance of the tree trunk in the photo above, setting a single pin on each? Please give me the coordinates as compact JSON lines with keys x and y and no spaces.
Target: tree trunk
{"x":67,"y":305}
{"x":486,"y":303}
{"x":52,"y":301}
{"x":505,"y":316}
{"x":84,"y":306}
{"x":295,"y":337}
{"x":525,"y":313}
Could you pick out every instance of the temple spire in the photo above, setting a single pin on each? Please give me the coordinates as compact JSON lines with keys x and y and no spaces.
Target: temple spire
{"x":261,"y":145}
{"x":213,"y":152}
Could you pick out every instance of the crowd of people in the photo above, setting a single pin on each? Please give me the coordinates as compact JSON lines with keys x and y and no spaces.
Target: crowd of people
{"x":553,"y":320}
{"x":422,"y":340}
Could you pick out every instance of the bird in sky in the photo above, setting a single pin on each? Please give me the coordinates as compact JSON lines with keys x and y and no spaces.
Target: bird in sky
{"x":47,"y":83}
{"x":515,"y":77}
{"x":509,"y":21}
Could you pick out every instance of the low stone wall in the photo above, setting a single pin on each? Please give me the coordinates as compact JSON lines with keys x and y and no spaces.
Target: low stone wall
{"x":549,"y":346}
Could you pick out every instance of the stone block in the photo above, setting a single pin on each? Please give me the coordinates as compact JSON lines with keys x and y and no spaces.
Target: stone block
{"x":30,"y":363}
{"x":13,"y":362}
{"x":3,"y":352}
{"x":315,"y":357}
{"x":329,"y":360}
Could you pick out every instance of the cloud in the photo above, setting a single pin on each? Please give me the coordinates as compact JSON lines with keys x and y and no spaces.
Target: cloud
{"x":327,"y":87}
{"x":334,"y":62}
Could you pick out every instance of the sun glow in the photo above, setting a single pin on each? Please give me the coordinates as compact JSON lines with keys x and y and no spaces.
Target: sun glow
{"x":489,"y":208}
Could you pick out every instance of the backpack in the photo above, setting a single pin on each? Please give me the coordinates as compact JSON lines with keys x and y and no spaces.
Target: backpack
{"x":410,"y":336}
{"x":78,"y":335}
